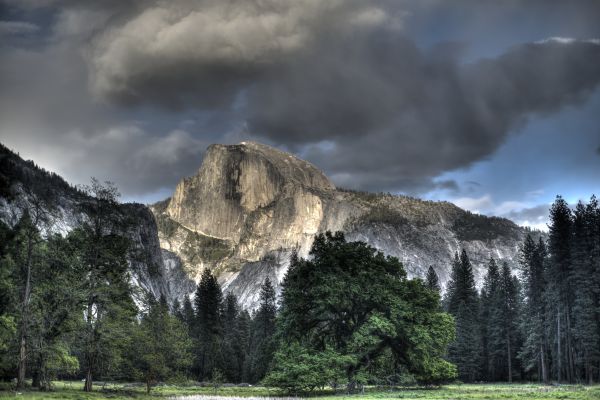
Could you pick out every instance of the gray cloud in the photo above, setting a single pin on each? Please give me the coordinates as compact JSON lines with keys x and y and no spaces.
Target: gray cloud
{"x":535,"y":217}
{"x":302,"y":72}
{"x":17,"y":28}
{"x":203,"y":53}
{"x":341,"y":82}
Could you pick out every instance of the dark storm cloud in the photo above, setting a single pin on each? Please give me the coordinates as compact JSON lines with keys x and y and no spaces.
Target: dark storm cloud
{"x":394,"y":115}
{"x":396,"y":111}
{"x":303,"y":72}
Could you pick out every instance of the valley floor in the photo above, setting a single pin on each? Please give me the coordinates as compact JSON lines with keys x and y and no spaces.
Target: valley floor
{"x":72,"y":390}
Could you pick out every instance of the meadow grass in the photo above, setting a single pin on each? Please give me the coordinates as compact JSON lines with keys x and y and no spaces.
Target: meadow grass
{"x":72,"y":391}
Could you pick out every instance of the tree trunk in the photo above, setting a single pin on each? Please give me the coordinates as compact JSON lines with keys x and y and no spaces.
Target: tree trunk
{"x":509,"y":357}
{"x":87,"y":387}
{"x":25,"y":319}
{"x":559,"y":356}
{"x":570,"y":350}
{"x":148,"y":386}
{"x":543,"y":363}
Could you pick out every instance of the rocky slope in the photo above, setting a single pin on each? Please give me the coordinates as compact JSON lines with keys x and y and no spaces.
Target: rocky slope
{"x":23,"y":185}
{"x":250,"y":205}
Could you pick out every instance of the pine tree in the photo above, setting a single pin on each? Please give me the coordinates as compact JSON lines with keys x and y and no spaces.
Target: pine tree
{"x":489,"y":319}
{"x":560,"y":291}
{"x":231,"y":367}
{"x":188,"y":314}
{"x":432,"y":280}
{"x":534,"y":352}
{"x":509,"y":311}
{"x":462,"y":303}
{"x":586,"y":322}
{"x":209,"y":326}
{"x":262,"y":344}
{"x":161,"y":345}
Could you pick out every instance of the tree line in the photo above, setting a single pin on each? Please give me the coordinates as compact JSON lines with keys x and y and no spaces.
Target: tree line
{"x":68,"y":309}
{"x":348,"y":316}
{"x":542,"y":323}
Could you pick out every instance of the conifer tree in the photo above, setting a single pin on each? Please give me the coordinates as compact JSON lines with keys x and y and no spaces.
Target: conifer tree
{"x":462,"y":303}
{"x":161,"y":345}
{"x":586,"y":321}
{"x":509,"y":310}
{"x":432,"y":280}
{"x":232,"y":367}
{"x":188,"y":314}
{"x":490,"y":320}
{"x":560,"y":293}
{"x":209,"y":326}
{"x":262,"y":343}
{"x":534,"y":352}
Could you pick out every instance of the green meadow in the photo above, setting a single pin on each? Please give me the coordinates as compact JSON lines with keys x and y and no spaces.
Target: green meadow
{"x":72,"y":390}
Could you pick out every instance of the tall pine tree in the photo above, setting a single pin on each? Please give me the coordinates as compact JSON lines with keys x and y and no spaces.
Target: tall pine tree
{"x":262,"y":343}
{"x":463,"y":303}
{"x":208,"y":331}
{"x":534,"y":353}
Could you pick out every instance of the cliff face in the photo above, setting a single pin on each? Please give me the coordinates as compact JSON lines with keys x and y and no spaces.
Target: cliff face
{"x":250,"y":205}
{"x":22,"y":184}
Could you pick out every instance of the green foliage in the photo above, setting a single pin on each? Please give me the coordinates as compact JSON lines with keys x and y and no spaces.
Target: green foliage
{"x":208,"y":329}
{"x":432,"y":280}
{"x":299,"y":369}
{"x":262,"y":342}
{"x":161,"y":345}
{"x":383,"y":214}
{"x":469,"y":226}
{"x":197,"y":247}
{"x":462,"y":302}
{"x":353,"y":300}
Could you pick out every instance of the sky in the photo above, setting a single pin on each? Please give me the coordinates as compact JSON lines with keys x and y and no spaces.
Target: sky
{"x":491,"y":105}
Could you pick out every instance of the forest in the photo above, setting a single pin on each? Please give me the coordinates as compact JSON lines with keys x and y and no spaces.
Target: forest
{"x":348,"y":316}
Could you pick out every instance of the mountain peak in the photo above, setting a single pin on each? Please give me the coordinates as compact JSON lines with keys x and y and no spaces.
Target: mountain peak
{"x":234,"y":181}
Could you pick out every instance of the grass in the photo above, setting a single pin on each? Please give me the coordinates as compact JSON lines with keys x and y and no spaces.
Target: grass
{"x":67,"y":390}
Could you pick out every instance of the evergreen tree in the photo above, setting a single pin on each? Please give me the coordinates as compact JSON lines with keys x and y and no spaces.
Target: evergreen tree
{"x":232,"y":367}
{"x":462,"y":302}
{"x":177,"y":311}
{"x":490,"y":321}
{"x":586,"y":316}
{"x":534,"y":352}
{"x":506,"y":334}
{"x":189,"y":315}
{"x":262,"y":343}
{"x":432,"y":280}
{"x":209,"y":326}
{"x":161,"y":345}
{"x":559,"y":292}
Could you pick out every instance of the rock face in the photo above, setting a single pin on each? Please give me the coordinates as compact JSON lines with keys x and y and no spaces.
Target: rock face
{"x":251,"y":205}
{"x":23,"y":184}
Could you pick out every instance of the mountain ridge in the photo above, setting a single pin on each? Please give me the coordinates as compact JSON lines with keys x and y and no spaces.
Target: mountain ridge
{"x":253,"y":235}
